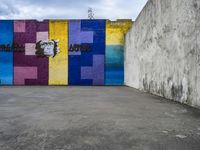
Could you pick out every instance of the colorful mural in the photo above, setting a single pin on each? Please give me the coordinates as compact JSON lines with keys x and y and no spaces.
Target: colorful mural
{"x":58,"y":65}
{"x":114,"y":64}
{"x":62,"y":52}
{"x":28,"y":68}
{"x":6,"y":56}
{"x":86,"y":67}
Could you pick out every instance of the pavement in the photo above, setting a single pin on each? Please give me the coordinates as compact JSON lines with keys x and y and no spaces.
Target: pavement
{"x":94,"y":118}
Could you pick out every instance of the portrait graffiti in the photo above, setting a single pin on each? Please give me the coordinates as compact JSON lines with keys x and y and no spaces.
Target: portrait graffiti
{"x":47,"y":48}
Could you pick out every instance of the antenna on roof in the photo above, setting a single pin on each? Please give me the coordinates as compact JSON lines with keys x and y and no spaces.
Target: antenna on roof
{"x":90,"y":13}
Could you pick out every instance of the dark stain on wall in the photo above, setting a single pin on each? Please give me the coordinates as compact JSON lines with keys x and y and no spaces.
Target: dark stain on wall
{"x":177,"y":91}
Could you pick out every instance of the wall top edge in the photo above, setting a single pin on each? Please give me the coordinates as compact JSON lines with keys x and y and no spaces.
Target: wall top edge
{"x":40,"y":20}
{"x":145,"y":6}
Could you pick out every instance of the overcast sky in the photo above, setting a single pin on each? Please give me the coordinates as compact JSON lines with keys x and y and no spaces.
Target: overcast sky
{"x":70,"y":9}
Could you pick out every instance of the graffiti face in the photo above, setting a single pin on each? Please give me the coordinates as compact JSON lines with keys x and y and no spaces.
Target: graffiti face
{"x":47,"y":48}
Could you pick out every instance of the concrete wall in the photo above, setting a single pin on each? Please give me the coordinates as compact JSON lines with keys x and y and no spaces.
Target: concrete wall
{"x":62,"y":52}
{"x":114,"y":61}
{"x":162,"y":50}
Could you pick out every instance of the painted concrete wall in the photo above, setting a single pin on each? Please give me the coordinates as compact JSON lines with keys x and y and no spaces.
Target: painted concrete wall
{"x":6,"y":58}
{"x":162,"y":54}
{"x":61,"y":52}
{"x":58,"y":66}
{"x":115,"y":37}
{"x":87,"y":67}
{"x":28,"y":68}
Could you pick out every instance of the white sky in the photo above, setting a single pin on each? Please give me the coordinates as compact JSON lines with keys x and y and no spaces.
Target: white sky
{"x":70,"y":9}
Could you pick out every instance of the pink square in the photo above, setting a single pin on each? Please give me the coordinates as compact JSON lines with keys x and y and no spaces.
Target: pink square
{"x":42,"y":36}
{"x":30,"y":49}
{"x":19,"y":26}
{"x":23,"y":73}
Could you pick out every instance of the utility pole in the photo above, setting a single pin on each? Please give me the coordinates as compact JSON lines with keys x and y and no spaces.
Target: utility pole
{"x":90,"y":13}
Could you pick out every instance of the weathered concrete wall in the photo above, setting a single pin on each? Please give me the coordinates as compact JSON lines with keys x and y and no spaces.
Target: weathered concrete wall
{"x":162,"y":50}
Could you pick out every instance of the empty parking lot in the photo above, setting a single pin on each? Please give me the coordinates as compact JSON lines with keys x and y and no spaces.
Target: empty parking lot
{"x":94,"y":118}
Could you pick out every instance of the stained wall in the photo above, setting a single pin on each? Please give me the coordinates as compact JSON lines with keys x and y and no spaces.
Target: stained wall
{"x":163,"y":48}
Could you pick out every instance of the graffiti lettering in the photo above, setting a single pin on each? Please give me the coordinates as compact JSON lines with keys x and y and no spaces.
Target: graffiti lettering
{"x":79,"y":47}
{"x":10,"y":48}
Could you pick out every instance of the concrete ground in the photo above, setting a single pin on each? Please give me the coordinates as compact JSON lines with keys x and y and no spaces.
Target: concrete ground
{"x":94,"y":118}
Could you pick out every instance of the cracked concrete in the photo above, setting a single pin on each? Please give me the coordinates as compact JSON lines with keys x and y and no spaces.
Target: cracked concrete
{"x":94,"y":118}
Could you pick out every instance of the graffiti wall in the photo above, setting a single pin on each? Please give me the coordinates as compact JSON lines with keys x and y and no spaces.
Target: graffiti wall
{"x":62,"y":52}
{"x":114,"y":64}
{"x":58,"y":65}
{"x":86,"y":52}
{"x":6,"y":58}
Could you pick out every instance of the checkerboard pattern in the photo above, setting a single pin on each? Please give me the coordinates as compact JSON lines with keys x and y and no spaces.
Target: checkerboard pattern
{"x":28,"y":68}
